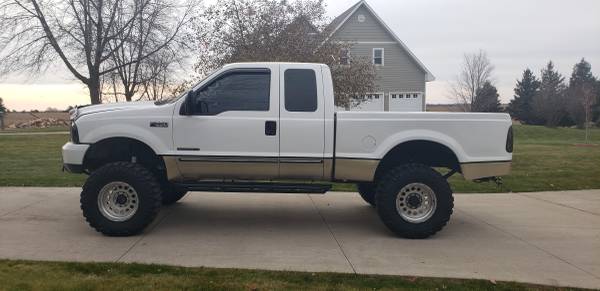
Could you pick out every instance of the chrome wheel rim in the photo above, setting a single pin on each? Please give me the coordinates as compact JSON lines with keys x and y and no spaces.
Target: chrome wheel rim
{"x":416,"y":203}
{"x":118,"y":201}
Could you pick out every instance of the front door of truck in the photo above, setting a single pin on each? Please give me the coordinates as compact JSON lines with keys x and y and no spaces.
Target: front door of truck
{"x":302,"y":122}
{"x":232,"y":130}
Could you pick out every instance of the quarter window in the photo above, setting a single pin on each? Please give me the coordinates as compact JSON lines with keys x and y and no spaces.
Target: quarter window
{"x":300,"y":90}
{"x":234,"y":91}
{"x":378,"y":56}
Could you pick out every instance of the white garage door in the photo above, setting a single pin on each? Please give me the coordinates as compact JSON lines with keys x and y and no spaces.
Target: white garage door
{"x":406,"y":101}
{"x":373,"y":102}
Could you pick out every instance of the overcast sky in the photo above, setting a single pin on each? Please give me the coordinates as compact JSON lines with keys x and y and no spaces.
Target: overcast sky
{"x":515,"y":33}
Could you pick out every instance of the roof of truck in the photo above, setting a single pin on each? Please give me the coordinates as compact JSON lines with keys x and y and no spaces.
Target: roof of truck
{"x":278,"y":63}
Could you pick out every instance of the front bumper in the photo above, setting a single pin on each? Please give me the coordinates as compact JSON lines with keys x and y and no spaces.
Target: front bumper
{"x":474,"y":171}
{"x":73,"y":155}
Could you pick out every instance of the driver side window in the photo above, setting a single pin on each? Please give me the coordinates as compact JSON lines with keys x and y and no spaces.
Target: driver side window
{"x":234,"y":91}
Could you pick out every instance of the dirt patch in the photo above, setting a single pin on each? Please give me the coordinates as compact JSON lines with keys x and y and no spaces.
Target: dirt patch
{"x":35,"y":119}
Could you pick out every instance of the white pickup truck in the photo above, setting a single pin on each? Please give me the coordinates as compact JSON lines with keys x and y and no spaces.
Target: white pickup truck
{"x":254,"y":127}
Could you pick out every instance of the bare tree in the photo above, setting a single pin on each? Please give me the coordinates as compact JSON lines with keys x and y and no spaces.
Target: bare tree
{"x":84,"y":35}
{"x":588,"y":103}
{"x":475,"y":72}
{"x":135,"y":76}
{"x":280,"y":31}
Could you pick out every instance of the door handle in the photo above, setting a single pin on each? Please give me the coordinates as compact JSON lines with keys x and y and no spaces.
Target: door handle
{"x":270,"y":128}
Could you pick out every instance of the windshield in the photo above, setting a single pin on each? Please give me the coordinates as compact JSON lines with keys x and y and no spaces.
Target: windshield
{"x":177,"y":97}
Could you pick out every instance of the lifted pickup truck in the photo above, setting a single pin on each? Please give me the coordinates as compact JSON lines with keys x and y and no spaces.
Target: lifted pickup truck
{"x":248,"y":126}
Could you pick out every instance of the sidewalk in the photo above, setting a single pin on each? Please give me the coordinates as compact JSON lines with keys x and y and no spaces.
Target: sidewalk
{"x":546,"y":238}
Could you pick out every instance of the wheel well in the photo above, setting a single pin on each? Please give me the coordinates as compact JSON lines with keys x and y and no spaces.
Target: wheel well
{"x":425,"y":152}
{"x":121,"y":149}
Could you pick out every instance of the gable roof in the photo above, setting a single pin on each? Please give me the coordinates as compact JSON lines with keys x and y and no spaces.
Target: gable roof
{"x":339,"y":21}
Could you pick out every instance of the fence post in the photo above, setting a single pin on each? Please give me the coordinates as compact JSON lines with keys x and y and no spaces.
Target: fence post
{"x":2,"y":120}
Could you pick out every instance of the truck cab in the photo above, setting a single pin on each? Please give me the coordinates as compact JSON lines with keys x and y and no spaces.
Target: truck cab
{"x":256,"y":121}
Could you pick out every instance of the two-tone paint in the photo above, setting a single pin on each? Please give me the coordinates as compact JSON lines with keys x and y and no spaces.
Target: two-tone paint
{"x":319,"y":145}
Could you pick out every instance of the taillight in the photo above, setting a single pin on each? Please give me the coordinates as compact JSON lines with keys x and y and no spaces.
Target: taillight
{"x":510,"y":140}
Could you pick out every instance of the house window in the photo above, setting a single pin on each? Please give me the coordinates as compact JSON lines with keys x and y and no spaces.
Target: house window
{"x":378,"y":56}
{"x":398,"y":95}
{"x":372,"y":96}
{"x":345,"y":57}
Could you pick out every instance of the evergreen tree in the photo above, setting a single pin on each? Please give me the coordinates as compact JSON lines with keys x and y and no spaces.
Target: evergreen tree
{"x":521,"y":106}
{"x":581,"y":84}
{"x":2,"y":107}
{"x":487,"y":99}
{"x":596,"y":110}
{"x":549,"y":102}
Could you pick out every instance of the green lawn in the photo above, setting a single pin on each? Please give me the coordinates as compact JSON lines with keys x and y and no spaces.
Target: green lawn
{"x":28,"y":275}
{"x":47,"y":129}
{"x":545,"y":159}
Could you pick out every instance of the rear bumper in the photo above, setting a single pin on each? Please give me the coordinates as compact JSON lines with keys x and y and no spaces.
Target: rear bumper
{"x":474,"y":171}
{"x":72,"y":156}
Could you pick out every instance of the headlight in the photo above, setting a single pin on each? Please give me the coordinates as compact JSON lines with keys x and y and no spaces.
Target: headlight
{"x":74,"y":133}
{"x":74,"y":113}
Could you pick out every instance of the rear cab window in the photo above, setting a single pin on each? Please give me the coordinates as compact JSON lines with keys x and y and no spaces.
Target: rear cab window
{"x":301,"y":90}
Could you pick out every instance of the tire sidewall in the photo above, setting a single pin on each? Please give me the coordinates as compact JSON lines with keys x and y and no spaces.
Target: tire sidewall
{"x":389,"y":188}
{"x":137,"y":177}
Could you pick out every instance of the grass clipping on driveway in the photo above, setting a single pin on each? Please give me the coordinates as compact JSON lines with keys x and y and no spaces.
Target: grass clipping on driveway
{"x":28,"y":275}
{"x":545,"y":159}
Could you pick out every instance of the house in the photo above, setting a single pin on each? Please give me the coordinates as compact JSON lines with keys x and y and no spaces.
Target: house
{"x":401,"y":77}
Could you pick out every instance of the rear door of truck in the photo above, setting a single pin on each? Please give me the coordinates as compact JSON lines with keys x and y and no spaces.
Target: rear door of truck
{"x":302,"y":122}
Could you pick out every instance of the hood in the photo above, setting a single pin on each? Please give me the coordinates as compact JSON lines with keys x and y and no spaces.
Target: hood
{"x":91,"y":109}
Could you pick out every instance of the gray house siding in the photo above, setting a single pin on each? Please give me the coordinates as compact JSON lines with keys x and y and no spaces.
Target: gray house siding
{"x":369,"y":30}
{"x":400,"y":72}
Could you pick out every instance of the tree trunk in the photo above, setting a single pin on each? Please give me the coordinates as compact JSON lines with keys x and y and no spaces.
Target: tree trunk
{"x":128,"y":95}
{"x":94,"y":87}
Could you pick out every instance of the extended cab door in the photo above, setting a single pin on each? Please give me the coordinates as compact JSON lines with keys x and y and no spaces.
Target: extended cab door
{"x":302,"y":122}
{"x":232,"y":131}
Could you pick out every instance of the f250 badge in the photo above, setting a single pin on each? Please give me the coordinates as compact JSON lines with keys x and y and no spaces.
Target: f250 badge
{"x":159,"y":124}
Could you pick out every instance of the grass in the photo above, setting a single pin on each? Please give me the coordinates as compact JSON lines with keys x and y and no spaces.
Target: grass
{"x":545,"y":159}
{"x":47,"y":129}
{"x":29,"y":275}
{"x":34,"y":160}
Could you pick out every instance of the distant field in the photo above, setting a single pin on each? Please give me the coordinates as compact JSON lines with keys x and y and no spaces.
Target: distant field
{"x":545,"y":159}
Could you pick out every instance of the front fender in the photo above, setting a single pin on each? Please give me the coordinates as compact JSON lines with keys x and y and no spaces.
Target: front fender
{"x":158,"y":142}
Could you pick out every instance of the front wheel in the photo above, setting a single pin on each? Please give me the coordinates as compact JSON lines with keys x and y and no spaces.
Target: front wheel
{"x":120,"y":199}
{"x":414,"y":201}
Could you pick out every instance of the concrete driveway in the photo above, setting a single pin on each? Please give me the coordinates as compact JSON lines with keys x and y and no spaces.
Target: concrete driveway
{"x":546,"y":238}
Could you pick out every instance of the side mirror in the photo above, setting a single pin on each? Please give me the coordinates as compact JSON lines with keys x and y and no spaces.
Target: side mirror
{"x":187,"y":108}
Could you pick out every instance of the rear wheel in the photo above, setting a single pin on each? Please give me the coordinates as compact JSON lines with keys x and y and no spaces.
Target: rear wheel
{"x":367,"y":192}
{"x":120,"y":199}
{"x":414,"y":201}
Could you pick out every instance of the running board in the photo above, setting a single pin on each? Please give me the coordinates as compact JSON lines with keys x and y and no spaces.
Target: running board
{"x":254,"y":187}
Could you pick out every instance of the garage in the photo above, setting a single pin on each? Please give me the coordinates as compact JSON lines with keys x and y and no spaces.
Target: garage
{"x":373,"y":102}
{"x":406,"y":101}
